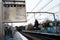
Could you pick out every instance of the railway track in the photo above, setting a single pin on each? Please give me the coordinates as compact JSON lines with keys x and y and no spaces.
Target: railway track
{"x":32,"y":36}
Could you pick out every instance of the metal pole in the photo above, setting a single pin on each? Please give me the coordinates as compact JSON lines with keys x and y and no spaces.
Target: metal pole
{"x":34,"y":15}
{"x":55,"y":22}
{"x":1,"y":28}
{"x":54,"y":19}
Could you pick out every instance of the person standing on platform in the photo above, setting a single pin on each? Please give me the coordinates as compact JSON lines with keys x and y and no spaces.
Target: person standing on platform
{"x":8,"y":33}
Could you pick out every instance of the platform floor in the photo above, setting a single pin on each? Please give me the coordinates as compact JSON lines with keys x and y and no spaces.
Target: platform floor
{"x":19,"y":36}
{"x":16,"y":36}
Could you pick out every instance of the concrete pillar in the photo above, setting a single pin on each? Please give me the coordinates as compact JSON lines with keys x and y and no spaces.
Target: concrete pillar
{"x":1,"y":34}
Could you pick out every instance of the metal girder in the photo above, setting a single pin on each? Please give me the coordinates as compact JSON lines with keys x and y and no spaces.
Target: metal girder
{"x":41,"y":12}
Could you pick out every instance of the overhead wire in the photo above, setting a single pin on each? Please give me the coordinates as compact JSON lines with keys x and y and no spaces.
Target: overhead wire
{"x":45,"y":5}
{"x":36,"y":5}
{"x":53,"y":7}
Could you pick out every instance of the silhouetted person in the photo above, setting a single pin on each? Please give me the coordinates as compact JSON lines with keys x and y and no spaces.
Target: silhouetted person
{"x":8,"y":33}
{"x":36,"y":24}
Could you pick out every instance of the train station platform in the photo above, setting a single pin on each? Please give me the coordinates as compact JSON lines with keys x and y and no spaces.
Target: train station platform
{"x":16,"y":36}
{"x":19,"y":36}
{"x":38,"y":32}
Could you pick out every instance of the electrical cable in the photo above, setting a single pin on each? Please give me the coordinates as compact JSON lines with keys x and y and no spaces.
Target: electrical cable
{"x":45,"y":5}
{"x":52,"y":7}
{"x":37,"y":4}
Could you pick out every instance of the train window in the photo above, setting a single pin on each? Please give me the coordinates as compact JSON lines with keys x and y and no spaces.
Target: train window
{"x":23,"y":5}
{"x":51,"y":24}
{"x":11,"y":5}
{"x":20,"y":5}
{"x":15,"y":5}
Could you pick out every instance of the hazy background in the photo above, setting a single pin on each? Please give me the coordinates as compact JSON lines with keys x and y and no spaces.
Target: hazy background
{"x":41,"y":6}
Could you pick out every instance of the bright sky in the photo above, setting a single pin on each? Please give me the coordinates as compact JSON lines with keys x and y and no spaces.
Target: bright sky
{"x":41,"y":6}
